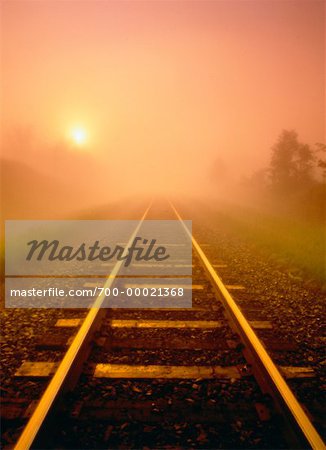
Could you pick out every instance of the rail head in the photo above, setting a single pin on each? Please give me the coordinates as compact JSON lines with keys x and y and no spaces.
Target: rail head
{"x":50,"y":397}
{"x":295,"y":413}
{"x":73,"y":359}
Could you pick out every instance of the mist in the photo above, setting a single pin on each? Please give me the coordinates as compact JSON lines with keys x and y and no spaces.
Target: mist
{"x":176,"y":98}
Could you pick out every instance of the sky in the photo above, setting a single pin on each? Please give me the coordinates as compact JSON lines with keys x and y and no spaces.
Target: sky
{"x":161,"y":89}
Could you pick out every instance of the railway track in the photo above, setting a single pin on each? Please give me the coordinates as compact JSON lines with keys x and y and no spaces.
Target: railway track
{"x":160,"y":378}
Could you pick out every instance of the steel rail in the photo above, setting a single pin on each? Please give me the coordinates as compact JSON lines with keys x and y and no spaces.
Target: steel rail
{"x":294,"y":409}
{"x":71,"y":358}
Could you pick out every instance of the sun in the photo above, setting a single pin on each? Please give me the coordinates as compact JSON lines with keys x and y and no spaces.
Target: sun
{"x":79,"y":135}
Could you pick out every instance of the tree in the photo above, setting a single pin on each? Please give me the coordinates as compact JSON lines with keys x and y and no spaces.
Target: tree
{"x":281,"y":167}
{"x":303,"y":160}
{"x":291,"y":163}
{"x":321,"y":162}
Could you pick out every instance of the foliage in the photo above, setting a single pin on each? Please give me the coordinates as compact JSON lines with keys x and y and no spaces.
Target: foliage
{"x":297,"y":245}
{"x":291,"y":164}
{"x":295,"y":181}
{"x":321,"y":162}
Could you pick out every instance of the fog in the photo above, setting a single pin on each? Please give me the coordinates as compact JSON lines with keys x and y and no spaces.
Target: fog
{"x":175,"y":98}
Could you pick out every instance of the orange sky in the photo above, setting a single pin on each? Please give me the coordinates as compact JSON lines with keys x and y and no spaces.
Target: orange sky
{"x":165,"y":85}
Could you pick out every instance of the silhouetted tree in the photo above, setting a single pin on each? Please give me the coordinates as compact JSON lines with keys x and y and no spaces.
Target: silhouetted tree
{"x":303,"y":160}
{"x":291,"y":163}
{"x":281,"y":167}
{"x":321,"y":162}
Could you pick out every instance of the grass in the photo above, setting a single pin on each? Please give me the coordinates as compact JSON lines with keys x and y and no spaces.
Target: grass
{"x":289,"y":240}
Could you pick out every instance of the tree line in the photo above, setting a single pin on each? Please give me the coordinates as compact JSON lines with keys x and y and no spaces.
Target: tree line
{"x":296,"y":174}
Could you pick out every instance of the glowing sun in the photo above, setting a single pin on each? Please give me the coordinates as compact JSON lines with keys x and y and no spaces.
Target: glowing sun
{"x":79,"y":136}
